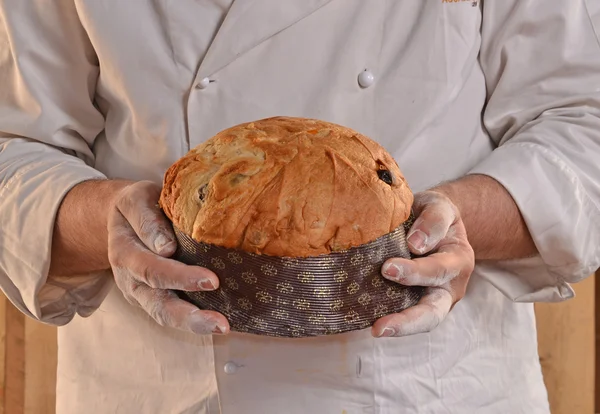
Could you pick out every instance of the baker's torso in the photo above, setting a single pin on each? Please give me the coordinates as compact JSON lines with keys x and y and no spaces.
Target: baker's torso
{"x":192,"y":68}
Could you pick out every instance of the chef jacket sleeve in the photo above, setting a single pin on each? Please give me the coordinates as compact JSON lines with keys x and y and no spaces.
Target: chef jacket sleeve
{"x":48,"y":123}
{"x":541,"y":59}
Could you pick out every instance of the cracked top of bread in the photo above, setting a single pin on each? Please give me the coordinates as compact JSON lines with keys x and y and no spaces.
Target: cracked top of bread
{"x":284,"y":186}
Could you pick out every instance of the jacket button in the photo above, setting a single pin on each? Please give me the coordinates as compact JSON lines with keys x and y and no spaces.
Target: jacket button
{"x":366,"y":79}
{"x":230,"y":368}
{"x":203,"y":84}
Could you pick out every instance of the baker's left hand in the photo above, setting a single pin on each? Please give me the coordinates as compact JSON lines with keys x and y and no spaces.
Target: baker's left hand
{"x":438,"y":233}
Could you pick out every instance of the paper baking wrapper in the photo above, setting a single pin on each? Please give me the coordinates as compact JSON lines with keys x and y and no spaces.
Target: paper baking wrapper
{"x":301,"y":297}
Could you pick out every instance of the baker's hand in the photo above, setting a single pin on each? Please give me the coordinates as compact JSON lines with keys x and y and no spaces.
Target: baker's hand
{"x":140,"y":242}
{"x":439,"y":233}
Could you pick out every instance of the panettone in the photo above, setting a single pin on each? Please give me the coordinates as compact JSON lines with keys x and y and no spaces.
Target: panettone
{"x":285,"y":186}
{"x":296,"y":217}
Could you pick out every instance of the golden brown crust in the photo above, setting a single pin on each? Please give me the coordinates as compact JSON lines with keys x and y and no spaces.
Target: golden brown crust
{"x":286,"y":187}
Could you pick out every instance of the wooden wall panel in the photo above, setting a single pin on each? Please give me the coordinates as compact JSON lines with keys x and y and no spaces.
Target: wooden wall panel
{"x":14,"y":360}
{"x":40,"y":368}
{"x":27,"y":363}
{"x":2,"y":352}
{"x":597,"y":308}
{"x":566,"y":333}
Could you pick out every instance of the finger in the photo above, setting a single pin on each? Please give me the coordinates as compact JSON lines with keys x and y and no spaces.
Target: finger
{"x":128,"y":254}
{"x":435,"y":270}
{"x":168,"y":310}
{"x":423,"y":317}
{"x":435,"y":216}
{"x":139,"y":206}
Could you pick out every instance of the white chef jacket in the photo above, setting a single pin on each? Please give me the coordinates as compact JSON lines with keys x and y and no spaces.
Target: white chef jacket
{"x":123,"y":88}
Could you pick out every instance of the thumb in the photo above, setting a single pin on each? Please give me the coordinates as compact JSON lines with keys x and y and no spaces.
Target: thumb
{"x":435,"y":214}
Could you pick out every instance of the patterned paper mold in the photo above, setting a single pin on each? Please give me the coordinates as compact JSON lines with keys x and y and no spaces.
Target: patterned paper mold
{"x":300,"y":297}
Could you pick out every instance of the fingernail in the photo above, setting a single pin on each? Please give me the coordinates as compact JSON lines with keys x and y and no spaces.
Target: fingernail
{"x":417,"y":240}
{"x":160,"y":242}
{"x":219,"y":330}
{"x":387,"y":332}
{"x":200,"y":325}
{"x":392,"y":271}
{"x":207,"y":284}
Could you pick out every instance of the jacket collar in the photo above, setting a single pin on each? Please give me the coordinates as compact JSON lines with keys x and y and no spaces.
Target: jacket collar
{"x":248,"y":24}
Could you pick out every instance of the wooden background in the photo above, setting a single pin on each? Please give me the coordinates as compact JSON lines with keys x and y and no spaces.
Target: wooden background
{"x":566,"y":332}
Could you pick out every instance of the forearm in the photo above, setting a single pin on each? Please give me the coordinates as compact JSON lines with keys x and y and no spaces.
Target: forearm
{"x":80,"y":240}
{"x":495,"y":228}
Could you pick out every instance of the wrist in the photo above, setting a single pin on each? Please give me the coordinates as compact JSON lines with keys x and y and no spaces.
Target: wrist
{"x":495,"y":228}
{"x":80,"y":238}
{"x":113,"y":189}
{"x":93,"y":200}
{"x":452,"y":190}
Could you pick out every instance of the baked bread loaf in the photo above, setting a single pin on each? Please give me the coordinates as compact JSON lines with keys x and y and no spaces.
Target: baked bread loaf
{"x":290,"y":187}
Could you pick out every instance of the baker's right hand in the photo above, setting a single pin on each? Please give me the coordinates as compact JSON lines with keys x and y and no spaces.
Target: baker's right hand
{"x":140,"y":242}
